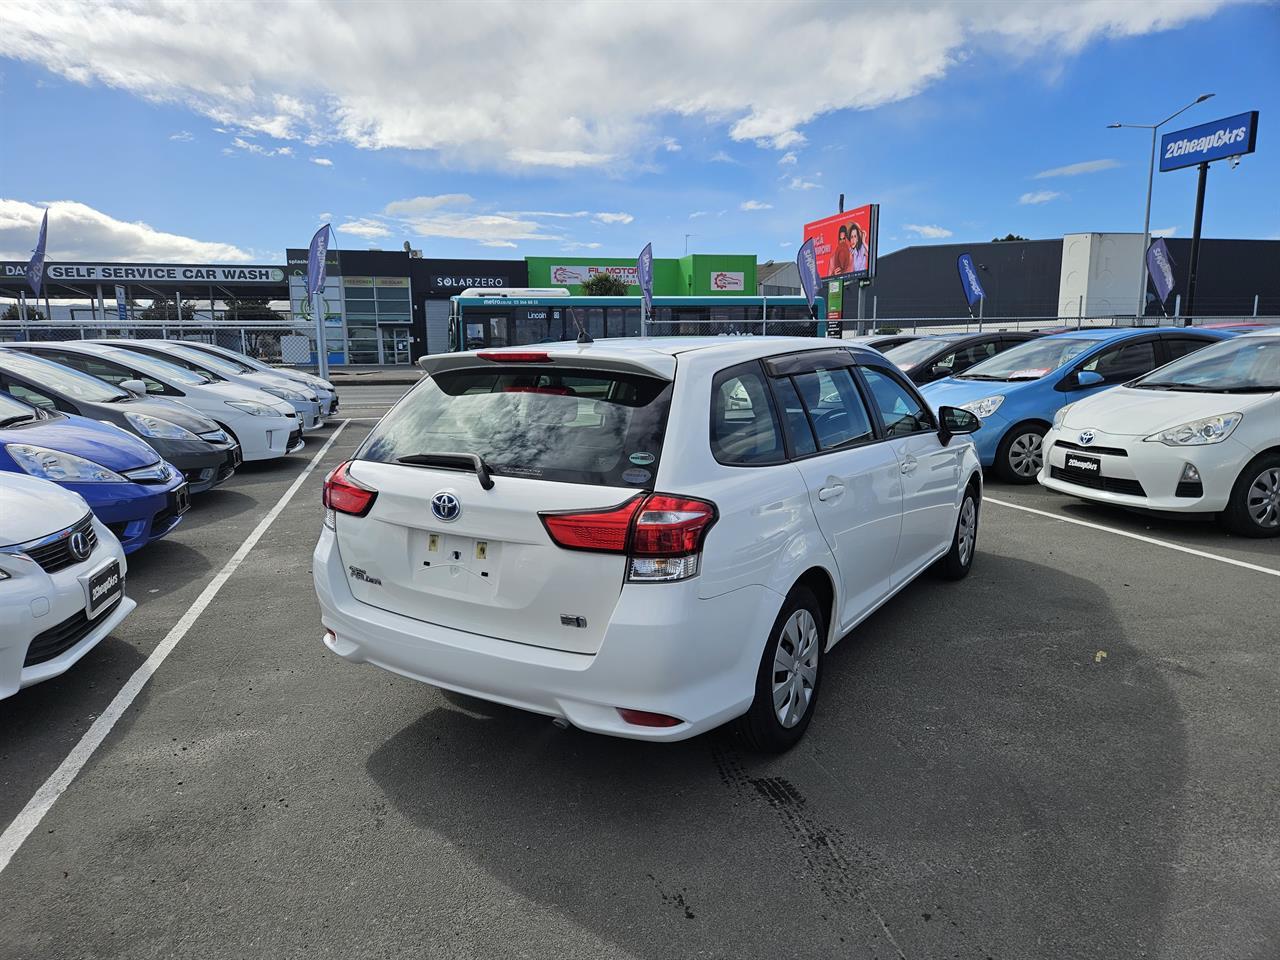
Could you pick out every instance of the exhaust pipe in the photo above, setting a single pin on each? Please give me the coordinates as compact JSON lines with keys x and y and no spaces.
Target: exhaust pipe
{"x":560,"y":723}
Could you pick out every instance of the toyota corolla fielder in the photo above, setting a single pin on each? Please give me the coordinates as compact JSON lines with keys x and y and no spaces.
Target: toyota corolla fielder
{"x":644,"y":538}
{"x":1200,"y":435}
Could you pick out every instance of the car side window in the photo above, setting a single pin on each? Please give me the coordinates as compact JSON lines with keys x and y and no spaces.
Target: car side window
{"x":835,"y":407}
{"x":1124,"y":362}
{"x":744,"y":425}
{"x":1181,"y":346}
{"x":802,"y":442}
{"x":966,"y":357}
{"x":901,"y":412}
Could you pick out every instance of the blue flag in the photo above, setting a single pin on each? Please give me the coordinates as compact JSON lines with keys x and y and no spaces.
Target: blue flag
{"x":644,"y":273}
{"x":35,"y":267}
{"x":1160,"y":266}
{"x":807,"y":264}
{"x":317,"y":255}
{"x":973,"y":291}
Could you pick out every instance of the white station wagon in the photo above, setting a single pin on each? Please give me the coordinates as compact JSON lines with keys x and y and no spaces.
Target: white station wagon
{"x":644,"y":538}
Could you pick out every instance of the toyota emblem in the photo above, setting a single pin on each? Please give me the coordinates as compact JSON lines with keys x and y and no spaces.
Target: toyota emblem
{"x":446,"y":507}
{"x":79,"y":546}
{"x":1086,"y":437}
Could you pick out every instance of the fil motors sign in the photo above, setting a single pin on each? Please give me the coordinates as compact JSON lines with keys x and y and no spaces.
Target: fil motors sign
{"x":728,"y":280}
{"x":167,"y":273}
{"x":578,"y":273}
{"x":1216,"y":140}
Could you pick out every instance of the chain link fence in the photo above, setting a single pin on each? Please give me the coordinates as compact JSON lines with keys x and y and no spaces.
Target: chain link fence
{"x":283,"y":343}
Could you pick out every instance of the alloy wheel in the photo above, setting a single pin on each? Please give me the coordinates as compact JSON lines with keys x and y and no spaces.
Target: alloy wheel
{"x":1026,"y":454}
{"x":968,"y":531}
{"x":795,"y":668}
{"x":1263,"y":499}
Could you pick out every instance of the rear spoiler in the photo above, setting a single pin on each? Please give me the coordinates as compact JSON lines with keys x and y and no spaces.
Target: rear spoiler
{"x":647,"y":363}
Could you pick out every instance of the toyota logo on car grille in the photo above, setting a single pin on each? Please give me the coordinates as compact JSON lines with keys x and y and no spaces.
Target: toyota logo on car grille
{"x":1086,"y":437}
{"x":79,"y":546}
{"x":446,"y":507}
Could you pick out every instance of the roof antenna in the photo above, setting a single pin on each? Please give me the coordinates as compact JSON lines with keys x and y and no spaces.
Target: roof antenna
{"x":582,"y":334}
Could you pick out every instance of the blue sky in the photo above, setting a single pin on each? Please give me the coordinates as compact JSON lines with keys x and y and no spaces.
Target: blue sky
{"x":178,"y":164}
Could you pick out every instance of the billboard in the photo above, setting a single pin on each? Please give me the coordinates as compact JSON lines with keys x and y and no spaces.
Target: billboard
{"x":579,"y":273}
{"x":1215,"y":140}
{"x":846,"y":243}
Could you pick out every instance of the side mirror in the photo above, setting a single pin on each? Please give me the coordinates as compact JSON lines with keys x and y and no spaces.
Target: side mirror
{"x":134,"y":386}
{"x":939,"y":371}
{"x":1089,"y":378}
{"x":956,"y":422}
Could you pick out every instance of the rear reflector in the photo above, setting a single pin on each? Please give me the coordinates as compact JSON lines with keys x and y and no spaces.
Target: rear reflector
{"x":505,"y":356}
{"x":643,"y":718}
{"x":346,"y":495}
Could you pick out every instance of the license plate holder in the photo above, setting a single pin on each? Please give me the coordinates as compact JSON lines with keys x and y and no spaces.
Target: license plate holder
{"x":103,"y":588}
{"x":180,"y":500}
{"x":1090,"y":466}
{"x":234,"y":458}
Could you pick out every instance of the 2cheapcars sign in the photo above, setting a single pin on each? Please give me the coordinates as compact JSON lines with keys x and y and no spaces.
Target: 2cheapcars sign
{"x":845,"y":244}
{"x":1216,"y":140}
{"x":148,"y":273}
{"x":579,"y":273}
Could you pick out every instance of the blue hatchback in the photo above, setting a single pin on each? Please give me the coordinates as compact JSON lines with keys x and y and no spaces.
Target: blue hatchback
{"x":1017,"y":393}
{"x":136,"y":494}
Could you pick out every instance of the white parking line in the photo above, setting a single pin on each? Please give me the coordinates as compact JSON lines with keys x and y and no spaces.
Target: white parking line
{"x":31,"y":815}
{"x":1137,"y":536}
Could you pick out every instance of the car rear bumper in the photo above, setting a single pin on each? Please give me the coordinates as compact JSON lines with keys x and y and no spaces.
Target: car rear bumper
{"x":665,"y":651}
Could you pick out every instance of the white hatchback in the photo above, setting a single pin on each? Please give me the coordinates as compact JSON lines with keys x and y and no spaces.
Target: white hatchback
{"x":61,"y":581}
{"x":1199,"y":435}
{"x":644,"y":538}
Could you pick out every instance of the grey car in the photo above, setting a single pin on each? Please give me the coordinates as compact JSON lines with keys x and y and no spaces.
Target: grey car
{"x":194,"y":444}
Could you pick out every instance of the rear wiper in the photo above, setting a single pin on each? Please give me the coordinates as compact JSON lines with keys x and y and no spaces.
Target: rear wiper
{"x":451,"y":461}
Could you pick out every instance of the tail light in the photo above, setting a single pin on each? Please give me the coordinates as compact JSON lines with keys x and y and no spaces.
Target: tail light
{"x":342,"y":494}
{"x":515,"y":356}
{"x":661,"y":534}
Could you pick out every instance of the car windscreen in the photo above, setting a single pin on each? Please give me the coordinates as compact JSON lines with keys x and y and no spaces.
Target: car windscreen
{"x":14,"y":411}
{"x":570,"y":425}
{"x":908,"y":355}
{"x":64,"y":380}
{"x":160,"y":369}
{"x":1243,"y":365}
{"x":222,"y":365}
{"x":1031,"y":360}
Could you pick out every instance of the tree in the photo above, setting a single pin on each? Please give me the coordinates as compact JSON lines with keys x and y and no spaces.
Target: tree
{"x":162,"y":308}
{"x":604,"y":285}
{"x":1007,"y":237}
{"x":14,"y":315}
{"x":249,"y":309}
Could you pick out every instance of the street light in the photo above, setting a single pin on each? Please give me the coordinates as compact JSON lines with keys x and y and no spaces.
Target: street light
{"x":686,"y":242}
{"x":1151,"y":171}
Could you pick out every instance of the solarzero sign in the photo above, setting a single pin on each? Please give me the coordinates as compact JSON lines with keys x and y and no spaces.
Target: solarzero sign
{"x":1216,"y":140}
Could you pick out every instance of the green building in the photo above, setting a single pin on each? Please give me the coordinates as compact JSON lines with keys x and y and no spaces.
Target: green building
{"x":695,"y":275}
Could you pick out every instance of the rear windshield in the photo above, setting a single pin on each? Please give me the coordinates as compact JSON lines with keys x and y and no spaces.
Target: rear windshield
{"x":574,"y":426}
{"x":907,"y":355}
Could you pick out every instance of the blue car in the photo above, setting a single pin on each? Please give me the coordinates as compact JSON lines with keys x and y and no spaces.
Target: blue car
{"x":1017,"y":393}
{"x":127,"y":486}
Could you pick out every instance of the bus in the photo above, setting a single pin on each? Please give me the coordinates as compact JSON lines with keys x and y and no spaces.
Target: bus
{"x":480,"y":318}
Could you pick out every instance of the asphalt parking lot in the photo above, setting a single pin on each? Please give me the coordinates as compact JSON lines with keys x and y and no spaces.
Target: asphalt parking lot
{"x":1070,"y":754}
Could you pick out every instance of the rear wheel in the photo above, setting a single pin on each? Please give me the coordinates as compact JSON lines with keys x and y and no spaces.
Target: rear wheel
{"x":1021,"y":453}
{"x":964,"y":543}
{"x":1254,"y":507}
{"x":788,"y":678}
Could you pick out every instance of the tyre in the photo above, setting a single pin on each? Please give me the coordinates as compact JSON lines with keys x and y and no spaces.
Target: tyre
{"x":789,"y":676}
{"x":1021,"y":453}
{"x":1254,"y":507}
{"x":964,"y":543}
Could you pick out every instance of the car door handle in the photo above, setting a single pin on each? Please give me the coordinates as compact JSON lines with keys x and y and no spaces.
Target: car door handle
{"x":831,"y":492}
{"x":909,"y":466}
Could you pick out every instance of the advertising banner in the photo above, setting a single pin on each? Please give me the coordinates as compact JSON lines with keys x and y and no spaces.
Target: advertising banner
{"x":845,"y":244}
{"x":579,"y":273}
{"x":1160,"y":267}
{"x":122,"y":304}
{"x":35,"y":267}
{"x":973,"y":291}
{"x":1215,"y":140}
{"x":807,"y":264}
{"x":728,"y":280}
{"x":644,"y":273}
{"x":316,"y":260}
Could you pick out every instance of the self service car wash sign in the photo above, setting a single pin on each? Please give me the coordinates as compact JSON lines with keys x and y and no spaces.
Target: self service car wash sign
{"x":1215,"y":140}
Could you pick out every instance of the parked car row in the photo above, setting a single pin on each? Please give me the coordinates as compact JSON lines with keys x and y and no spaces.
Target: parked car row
{"x":102,"y":444}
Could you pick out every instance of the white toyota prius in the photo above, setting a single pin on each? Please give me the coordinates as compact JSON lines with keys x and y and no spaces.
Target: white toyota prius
{"x":1199,"y":435}
{"x":644,"y":538}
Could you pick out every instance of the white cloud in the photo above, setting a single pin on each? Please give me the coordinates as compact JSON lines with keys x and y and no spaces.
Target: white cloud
{"x":597,"y":108}
{"x":1076,"y":169}
{"x":581,"y":246}
{"x":496,"y":243}
{"x":614,"y":217}
{"x":419,"y":205}
{"x":450,"y":215}
{"x":364,"y":227}
{"x":798,"y":183}
{"x":1165,"y":232}
{"x":788,"y":158}
{"x":671,"y":145}
{"x":721,"y":157}
{"x":754,"y":205}
{"x":182,"y":136}
{"x":546,"y":213}
{"x":258,"y":149}
{"x":322,"y":161}
{"x":1040,"y":196}
{"x":699,"y":213}
{"x":79,"y":232}
{"x":325,"y":217}
{"x":929,"y":231}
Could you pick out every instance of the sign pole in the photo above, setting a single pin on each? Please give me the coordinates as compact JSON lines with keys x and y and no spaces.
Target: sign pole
{"x":982,"y":303}
{"x":1195,"y":244}
{"x":322,"y":348}
{"x":1146,"y":231}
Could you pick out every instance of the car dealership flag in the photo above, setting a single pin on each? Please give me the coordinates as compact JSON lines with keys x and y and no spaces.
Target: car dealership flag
{"x":807,"y":264}
{"x":35,"y":267}
{"x":1160,"y":266}
{"x":644,"y":275}
{"x":973,"y":291}
{"x":317,"y":255}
